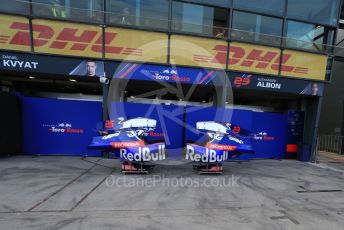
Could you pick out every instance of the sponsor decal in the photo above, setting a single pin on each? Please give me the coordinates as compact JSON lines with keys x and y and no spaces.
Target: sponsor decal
{"x":85,"y":40}
{"x":63,"y":127}
{"x":77,"y":39}
{"x":154,"y":134}
{"x":235,"y":139}
{"x":167,"y":74}
{"x":127,"y":144}
{"x":250,"y":58}
{"x":255,"y":58}
{"x":221,"y":147}
{"x":147,"y":46}
{"x":201,"y":52}
{"x":304,"y":65}
{"x":143,"y":154}
{"x":8,"y":34}
{"x":263,"y":136}
{"x":243,"y":80}
{"x":261,"y":59}
{"x":210,"y":155}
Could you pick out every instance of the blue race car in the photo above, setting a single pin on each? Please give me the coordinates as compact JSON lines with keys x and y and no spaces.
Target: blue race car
{"x":129,"y":142}
{"x":221,"y":141}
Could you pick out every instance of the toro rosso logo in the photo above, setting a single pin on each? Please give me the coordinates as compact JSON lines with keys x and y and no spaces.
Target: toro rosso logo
{"x":63,"y":127}
{"x":73,"y":39}
{"x":167,"y":75}
{"x":263,"y":136}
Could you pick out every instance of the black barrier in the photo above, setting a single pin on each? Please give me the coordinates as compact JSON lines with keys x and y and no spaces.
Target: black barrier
{"x":10,"y":124}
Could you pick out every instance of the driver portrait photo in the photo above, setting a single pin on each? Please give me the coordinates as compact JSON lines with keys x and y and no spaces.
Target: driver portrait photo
{"x":91,"y":68}
{"x":315,"y":89}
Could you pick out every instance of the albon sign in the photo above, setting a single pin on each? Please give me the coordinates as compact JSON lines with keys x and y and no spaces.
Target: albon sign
{"x":277,"y":84}
{"x":268,"y":83}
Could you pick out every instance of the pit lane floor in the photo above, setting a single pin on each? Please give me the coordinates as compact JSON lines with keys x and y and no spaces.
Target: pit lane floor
{"x":75,"y":193}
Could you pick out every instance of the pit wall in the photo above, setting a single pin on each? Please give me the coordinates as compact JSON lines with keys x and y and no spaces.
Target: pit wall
{"x":66,"y":127}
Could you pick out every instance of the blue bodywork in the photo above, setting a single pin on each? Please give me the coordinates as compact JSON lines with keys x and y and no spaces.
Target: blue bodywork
{"x":220,"y":142}
{"x":128,"y":141}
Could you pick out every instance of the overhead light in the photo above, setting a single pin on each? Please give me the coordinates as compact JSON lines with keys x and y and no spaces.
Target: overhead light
{"x":30,"y":77}
{"x":72,"y":80}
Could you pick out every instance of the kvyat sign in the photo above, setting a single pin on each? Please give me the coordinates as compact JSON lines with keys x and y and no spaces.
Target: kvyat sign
{"x":9,"y":61}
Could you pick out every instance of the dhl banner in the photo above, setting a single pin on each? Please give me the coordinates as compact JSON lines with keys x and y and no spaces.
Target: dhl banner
{"x":254,"y":58}
{"x":126,"y":44}
{"x":304,"y":65}
{"x":135,"y":45}
{"x":12,"y":33}
{"x":67,"y":38}
{"x":200,"y":52}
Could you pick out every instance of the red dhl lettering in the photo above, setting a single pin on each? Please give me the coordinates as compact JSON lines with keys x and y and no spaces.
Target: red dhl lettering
{"x":80,"y":40}
{"x":261,"y":59}
{"x":256,"y":58}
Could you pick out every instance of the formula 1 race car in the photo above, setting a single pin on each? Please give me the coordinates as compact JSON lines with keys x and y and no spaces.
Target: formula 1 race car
{"x":129,"y":142}
{"x":219,"y":142}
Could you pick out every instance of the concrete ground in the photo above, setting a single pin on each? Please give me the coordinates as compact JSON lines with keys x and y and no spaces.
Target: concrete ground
{"x":91,"y":193}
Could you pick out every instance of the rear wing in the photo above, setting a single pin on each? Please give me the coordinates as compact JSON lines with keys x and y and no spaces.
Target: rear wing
{"x":221,"y":128}
{"x":136,"y":124}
